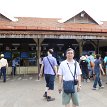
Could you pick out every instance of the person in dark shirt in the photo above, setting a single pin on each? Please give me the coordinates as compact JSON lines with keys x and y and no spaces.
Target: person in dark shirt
{"x":84,"y":69}
{"x":97,"y":69}
{"x":14,"y":64}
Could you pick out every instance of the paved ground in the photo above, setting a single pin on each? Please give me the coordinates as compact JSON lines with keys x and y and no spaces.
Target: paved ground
{"x":27,"y":91}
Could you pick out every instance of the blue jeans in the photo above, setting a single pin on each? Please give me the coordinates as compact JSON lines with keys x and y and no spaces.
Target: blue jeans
{"x":3,"y":72}
{"x":13,"y":70}
{"x":97,"y":80}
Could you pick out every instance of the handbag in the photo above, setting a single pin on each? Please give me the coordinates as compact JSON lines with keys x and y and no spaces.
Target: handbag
{"x":69,"y":86}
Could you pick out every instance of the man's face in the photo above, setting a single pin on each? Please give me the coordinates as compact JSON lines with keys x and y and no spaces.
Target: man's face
{"x":70,"y":54}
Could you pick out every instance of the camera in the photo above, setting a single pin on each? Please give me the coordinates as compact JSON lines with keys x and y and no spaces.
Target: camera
{"x":75,"y":82}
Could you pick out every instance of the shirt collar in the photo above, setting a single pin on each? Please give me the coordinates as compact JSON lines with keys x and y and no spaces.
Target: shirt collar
{"x":49,"y":55}
{"x":72,"y":62}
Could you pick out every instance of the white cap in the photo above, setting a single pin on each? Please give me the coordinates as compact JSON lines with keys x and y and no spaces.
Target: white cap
{"x":2,"y":55}
{"x":83,"y":58}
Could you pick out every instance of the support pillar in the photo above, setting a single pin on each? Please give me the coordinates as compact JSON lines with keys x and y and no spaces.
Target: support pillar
{"x":80,"y":48}
{"x":97,"y":47}
{"x":38,"y":42}
{"x":80,"y":43}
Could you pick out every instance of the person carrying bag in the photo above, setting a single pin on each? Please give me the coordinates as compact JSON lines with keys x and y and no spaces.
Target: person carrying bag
{"x":69,"y":86}
{"x":51,"y":65}
{"x":50,"y":69}
{"x":69,"y":74}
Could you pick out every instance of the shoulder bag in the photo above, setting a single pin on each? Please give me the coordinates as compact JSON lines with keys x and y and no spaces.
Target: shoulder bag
{"x":69,"y":86}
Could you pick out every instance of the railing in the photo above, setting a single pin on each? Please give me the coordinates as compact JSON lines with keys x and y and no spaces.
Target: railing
{"x":24,"y":70}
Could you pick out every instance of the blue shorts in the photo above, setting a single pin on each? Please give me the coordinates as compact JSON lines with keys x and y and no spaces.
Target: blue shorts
{"x":50,"y":81}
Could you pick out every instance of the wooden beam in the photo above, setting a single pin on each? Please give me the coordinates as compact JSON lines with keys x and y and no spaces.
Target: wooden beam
{"x":52,"y":34}
{"x":38,"y":42}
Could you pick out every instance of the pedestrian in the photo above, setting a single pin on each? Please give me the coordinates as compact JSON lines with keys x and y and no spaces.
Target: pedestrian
{"x":50,"y":70}
{"x":4,"y":65}
{"x":68,"y":70}
{"x":84,"y":69}
{"x":91,"y":58}
{"x":89,"y":66}
{"x":105,"y":63}
{"x":14,"y":64}
{"x":97,"y":69}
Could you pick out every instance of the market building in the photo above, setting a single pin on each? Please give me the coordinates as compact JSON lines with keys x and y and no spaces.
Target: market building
{"x":29,"y":38}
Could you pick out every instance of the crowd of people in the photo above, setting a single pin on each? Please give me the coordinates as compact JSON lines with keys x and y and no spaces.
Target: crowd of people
{"x":69,"y":71}
{"x":88,"y":67}
{"x":92,"y":68}
{"x":91,"y":65}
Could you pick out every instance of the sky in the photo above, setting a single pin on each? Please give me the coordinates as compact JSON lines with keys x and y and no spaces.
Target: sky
{"x":64,"y":9}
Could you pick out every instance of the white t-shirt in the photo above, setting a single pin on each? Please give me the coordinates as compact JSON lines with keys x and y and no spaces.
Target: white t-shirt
{"x":3,"y":62}
{"x":65,"y":71}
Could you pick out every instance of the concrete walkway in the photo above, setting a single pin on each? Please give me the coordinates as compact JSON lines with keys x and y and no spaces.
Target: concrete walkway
{"x":27,"y":91}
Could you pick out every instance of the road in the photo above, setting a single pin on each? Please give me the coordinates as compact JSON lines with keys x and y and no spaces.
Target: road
{"x":27,"y":91}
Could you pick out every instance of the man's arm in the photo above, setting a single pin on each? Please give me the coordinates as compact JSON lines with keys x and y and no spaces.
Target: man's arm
{"x":79,"y":83}
{"x":101,"y":69}
{"x":79,"y":80}
{"x":79,"y":77}
{"x":55,"y":69}
{"x":41,"y":70}
{"x":60,"y":83}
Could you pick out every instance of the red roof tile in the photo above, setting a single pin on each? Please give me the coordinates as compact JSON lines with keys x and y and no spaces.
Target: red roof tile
{"x":29,"y":23}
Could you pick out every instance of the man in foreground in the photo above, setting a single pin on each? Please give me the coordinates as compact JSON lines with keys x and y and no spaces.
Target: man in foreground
{"x":66,"y":68}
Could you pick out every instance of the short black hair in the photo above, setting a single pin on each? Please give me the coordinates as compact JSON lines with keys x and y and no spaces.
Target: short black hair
{"x":90,"y":53}
{"x":50,"y":51}
{"x":97,"y":56}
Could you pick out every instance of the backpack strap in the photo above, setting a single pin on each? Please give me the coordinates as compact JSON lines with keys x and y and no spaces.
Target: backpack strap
{"x":74,"y":69}
{"x":51,"y":65}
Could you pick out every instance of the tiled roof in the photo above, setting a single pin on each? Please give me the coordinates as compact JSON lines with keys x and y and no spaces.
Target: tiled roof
{"x":44,"y":22}
{"x":29,"y":23}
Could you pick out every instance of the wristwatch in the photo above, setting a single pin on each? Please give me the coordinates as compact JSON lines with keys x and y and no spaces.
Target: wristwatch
{"x":79,"y":85}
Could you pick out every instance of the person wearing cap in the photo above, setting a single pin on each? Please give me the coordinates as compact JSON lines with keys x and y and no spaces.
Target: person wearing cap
{"x":4,"y":65}
{"x":84,"y":68}
{"x":49,"y":64}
